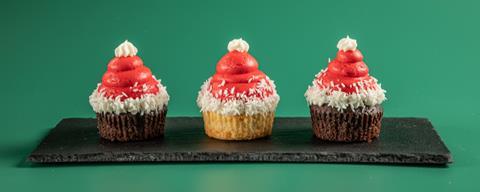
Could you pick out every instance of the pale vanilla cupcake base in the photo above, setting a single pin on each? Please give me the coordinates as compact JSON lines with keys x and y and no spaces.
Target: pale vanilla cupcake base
{"x":238,"y":127}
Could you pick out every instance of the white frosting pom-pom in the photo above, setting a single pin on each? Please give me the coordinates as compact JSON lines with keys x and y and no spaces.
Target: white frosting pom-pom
{"x":346,"y":44}
{"x":238,"y":45}
{"x":126,"y":49}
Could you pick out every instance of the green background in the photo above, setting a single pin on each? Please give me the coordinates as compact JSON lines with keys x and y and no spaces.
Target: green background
{"x":53,"y":53}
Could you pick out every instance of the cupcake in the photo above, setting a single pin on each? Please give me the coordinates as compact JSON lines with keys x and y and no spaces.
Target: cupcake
{"x":238,"y":102}
{"x":130,"y":103}
{"x":344,"y":99}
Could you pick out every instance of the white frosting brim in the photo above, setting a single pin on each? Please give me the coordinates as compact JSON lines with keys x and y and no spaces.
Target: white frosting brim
{"x":145,"y":104}
{"x":245,"y":106}
{"x":341,"y":100}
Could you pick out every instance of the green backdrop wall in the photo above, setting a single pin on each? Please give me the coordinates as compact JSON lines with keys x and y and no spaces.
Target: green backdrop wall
{"x":425,"y":54}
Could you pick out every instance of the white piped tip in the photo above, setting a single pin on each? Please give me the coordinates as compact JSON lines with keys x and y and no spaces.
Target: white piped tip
{"x":238,"y":45}
{"x":346,"y":44}
{"x":126,"y":49}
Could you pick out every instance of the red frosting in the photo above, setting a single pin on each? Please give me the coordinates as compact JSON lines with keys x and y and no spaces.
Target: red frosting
{"x":128,"y":76}
{"x":238,"y":71}
{"x":347,"y":68}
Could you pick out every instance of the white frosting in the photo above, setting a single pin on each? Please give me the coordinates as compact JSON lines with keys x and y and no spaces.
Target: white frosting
{"x":126,"y":49}
{"x":145,"y":104}
{"x":341,"y":100}
{"x":346,"y":44}
{"x":238,"y":45}
{"x":243,"y":106}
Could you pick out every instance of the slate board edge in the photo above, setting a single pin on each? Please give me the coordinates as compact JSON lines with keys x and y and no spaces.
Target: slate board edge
{"x":244,"y":157}
{"x":449,"y":156}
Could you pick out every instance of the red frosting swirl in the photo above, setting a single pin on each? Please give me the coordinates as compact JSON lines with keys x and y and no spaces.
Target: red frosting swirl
{"x":129,"y":78}
{"x":348,"y":69}
{"x":237,"y":72}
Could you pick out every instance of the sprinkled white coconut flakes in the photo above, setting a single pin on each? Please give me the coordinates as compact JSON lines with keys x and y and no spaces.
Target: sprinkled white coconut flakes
{"x":253,"y":77}
{"x":144,"y":104}
{"x":341,"y":100}
{"x":222,"y":83}
{"x":245,"y":105}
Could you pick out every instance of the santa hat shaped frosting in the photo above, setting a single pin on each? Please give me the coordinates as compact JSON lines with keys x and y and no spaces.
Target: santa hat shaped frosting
{"x":346,"y":81}
{"x":128,"y":85}
{"x":238,"y":86}
{"x":237,"y":75}
{"x":126,"y":76}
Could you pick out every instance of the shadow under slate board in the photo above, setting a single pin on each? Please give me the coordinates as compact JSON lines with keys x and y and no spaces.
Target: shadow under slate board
{"x":402,"y":141}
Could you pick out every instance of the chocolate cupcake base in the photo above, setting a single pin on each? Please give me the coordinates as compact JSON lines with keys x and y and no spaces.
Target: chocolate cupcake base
{"x":360,"y":124}
{"x":131,"y":127}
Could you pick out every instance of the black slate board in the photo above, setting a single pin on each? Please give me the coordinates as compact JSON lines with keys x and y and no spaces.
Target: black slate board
{"x":402,"y":141}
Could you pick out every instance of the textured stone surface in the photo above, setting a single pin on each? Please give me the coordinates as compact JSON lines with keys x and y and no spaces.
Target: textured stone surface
{"x":402,"y":141}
